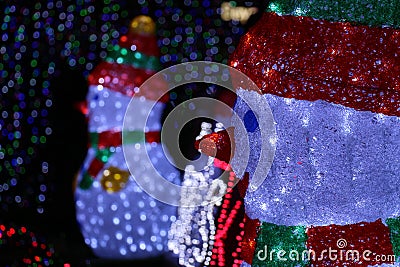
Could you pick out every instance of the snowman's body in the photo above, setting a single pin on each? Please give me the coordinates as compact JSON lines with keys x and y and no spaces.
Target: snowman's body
{"x":122,"y":221}
{"x":332,"y":165}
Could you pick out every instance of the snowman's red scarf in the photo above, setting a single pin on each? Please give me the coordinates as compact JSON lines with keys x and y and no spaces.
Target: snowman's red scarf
{"x":103,"y":141}
{"x":127,"y":79}
{"x":309,"y":59}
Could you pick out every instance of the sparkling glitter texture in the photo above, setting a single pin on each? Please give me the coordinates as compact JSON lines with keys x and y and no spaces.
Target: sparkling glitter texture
{"x":394,"y":227}
{"x":236,"y":233}
{"x":275,"y":237}
{"x":372,"y":13}
{"x":372,"y":236}
{"x":251,"y":227}
{"x":118,"y":219}
{"x":114,"y":179}
{"x":330,"y":165}
{"x":249,"y":243}
{"x":303,"y":58}
{"x":223,"y":237}
{"x":193,"y":236}
{"x":296,"y":240}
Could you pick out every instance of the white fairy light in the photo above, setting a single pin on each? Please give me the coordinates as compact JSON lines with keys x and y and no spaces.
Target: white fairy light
{"x":192,"y":235}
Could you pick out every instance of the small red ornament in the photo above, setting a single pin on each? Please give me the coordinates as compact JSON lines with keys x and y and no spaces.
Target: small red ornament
{"x":219,"y":144}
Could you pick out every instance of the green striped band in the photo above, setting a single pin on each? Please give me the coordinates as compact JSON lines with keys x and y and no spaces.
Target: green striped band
{"x":394,"y":227}
{"x":110,"y":138}
{"x":276,"y":238}
{"x":273,"y":238}
{"x":370,"y":13}
{"x":136,"y":59}
{"x":133,"y":137}
{"x":88,"y":176}
{"x":103,"y":155}
{"x":86,"y":181}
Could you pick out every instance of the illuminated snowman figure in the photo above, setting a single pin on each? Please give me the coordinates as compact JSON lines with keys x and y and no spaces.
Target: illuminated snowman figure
{"x":118,"y":219}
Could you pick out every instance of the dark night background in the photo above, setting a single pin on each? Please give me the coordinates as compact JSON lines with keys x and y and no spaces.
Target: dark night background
{"x":47,"y":50}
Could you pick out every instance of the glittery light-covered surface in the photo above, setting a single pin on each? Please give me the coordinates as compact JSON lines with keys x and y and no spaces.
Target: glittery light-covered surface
{"x":396,"y":264}
{"x":361,"y":244}
{"x":359,"y":237}
{"x":394,"y":227}
{"x":303,"y":58}
{"x":245,"y":264}
{"x":103,"y":99}
{"x":371,"y":13}
{"x":132,"y":57}
{"x":121,"y":72}
{"x":275,"y":237}
{"x":330,"y":166}
{"x":251,"y":227}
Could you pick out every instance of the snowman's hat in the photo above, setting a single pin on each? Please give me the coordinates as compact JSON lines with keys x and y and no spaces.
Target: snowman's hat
{"x":131,"y":62}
